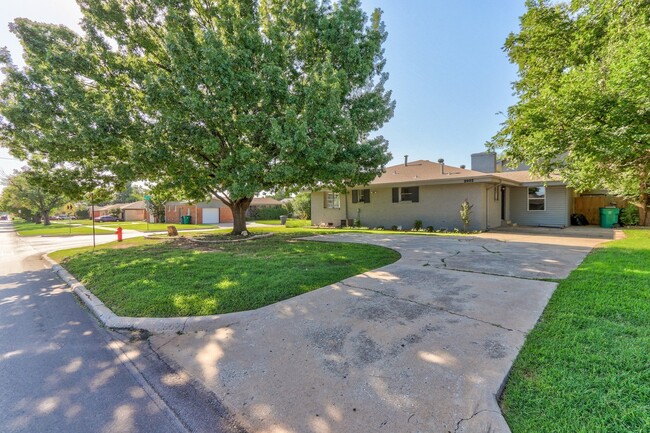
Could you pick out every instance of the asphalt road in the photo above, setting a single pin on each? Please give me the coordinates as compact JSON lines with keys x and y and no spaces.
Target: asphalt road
{"x":61,"y":372}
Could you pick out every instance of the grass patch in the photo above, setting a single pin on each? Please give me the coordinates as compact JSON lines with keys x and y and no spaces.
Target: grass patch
{"x":157,"y":227}
{"x":56,"y":229}
{"x":179,"y":278}
{"x":586,"y":367}
{"x":291,"y":222}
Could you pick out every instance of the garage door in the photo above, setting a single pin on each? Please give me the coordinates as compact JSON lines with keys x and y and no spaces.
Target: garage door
{"x":210,"y":215}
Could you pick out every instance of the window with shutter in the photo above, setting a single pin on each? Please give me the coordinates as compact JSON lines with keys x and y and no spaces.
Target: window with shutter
{"x":410,"y":193}
{"x":360,"y":196}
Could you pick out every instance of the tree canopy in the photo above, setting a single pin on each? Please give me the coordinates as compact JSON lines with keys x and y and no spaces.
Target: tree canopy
{"x":226,"y":98}
{"x":31,"y":194}
{"x":584,"y":95}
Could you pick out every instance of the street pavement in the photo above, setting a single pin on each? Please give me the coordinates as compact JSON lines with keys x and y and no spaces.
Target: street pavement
{"x":61,"y":372}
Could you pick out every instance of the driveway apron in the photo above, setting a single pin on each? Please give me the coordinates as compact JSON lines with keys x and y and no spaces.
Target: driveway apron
{"x":421,"y":345}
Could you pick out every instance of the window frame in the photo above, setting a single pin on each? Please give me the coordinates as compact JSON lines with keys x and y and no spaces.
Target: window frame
{"x":361,"y":195}
{"x":537,"y":199}
{"x":332,"y":200}
{"x":398,"y":194}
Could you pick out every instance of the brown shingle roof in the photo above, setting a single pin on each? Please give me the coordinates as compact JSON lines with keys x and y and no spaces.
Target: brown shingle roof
{"x":135,"y":205}
{"x":423,"y":170}
{"x":527,"y":177}
{"x":265,"y":201}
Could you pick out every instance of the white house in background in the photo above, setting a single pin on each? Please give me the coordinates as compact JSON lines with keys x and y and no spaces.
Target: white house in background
{"x":433,"y":192}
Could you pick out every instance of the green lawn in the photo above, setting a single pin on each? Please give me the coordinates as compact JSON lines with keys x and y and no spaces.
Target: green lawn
{"x":57,"y":228}
{"x":586,"y":365}
{"x":161,"y":278}
{"x":156,"y":227}
{"x":291,"y":222}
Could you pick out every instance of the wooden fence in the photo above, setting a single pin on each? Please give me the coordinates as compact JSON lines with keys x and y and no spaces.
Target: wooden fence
{"x":590,"y":205}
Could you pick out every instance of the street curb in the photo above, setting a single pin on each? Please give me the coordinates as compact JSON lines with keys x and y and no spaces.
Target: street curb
{"x":154,"y":325}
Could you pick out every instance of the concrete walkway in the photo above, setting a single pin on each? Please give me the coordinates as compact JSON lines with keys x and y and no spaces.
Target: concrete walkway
{"x":422,"y":345}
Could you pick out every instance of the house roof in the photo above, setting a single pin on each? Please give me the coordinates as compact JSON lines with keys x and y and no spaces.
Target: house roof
{"x":423,"y":170}
{"x":525,"y":177}
{"x":135,"y":205}
{"x":110,"y":206}
{"x":265,"y":201}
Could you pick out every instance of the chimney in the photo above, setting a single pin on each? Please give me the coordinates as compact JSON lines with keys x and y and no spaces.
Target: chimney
{"x":406,"y":160}
{"x":442,"y":165}
{"x":485,"y":162}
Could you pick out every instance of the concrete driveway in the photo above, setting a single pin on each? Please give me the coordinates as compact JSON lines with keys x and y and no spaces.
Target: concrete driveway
{"x":422,"y":345}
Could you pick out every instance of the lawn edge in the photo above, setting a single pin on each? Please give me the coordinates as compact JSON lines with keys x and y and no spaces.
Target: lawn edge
{"x":152,"y":324}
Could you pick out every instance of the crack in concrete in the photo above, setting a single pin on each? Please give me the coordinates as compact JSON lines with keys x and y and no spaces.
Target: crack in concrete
{"x":473,"y":415}
{"x":444,"y":263}
{"x":435,"y":307}
{"x":489,"y":251}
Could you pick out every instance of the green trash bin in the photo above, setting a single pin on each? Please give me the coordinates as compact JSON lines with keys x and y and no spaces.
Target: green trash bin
{"x":187,"y":219}
{"x":609,"y":216}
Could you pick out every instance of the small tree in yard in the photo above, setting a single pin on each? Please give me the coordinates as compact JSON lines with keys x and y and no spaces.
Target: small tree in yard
{"x":301,"y":206}
{"x":220,"y":98}
{"x":465,"y":213}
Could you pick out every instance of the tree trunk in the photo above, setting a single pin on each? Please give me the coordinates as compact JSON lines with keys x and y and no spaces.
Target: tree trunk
{"x":644,"y":215}
{"x":46,"y":218}
{"x":239,"y":208}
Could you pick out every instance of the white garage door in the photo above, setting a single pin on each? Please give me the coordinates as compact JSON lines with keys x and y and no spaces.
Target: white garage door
{"x":210,"y":215}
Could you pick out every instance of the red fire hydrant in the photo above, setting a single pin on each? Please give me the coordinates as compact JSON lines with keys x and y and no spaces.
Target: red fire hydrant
{"x":119,"y":234}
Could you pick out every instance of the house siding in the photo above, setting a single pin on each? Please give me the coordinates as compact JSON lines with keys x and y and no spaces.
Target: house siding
{"x":438,"y":206}
{"x":557,"y":207}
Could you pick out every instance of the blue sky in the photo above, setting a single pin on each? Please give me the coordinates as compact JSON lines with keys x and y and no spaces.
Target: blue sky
{"x":448,"y":72}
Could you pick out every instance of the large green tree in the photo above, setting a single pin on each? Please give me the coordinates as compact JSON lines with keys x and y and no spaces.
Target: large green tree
{"x":225,"y":98}
{"x":29,"y":190}
{"x":584,"y":95}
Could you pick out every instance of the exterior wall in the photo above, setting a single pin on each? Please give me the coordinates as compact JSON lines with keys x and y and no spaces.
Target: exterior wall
{"x":173,"y":212}
{"x":438,"y":206}
{"x":321,"y":215}
{"x":557,"y":211}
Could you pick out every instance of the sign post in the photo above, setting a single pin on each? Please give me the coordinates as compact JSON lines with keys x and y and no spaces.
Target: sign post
{"x":147,"y":200}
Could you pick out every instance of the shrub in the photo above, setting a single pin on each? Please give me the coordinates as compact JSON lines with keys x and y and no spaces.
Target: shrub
{"x":429,"y":229}
{"x":301,"y":205}
{"x":630,"y":215}
{"x":266,"y":212}
{"x":417,"y":225}
{"x":393,"y":227}
{"x":465,"y":213}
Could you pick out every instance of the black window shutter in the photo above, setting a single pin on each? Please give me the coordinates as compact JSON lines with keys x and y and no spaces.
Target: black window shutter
{"x":366,"y":196}
{"x":325,"y":199}
{"x":395,"y":195}
{"x":415,"y":194}
{"x":355,"y":196}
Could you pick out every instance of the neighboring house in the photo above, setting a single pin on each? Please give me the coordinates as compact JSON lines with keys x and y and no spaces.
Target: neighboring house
{"x":261,"y":202}
{"x":107,"y":210}
{"x":212,"y":212}
{"x":433,"y":192}
{"x":136,"y":211}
